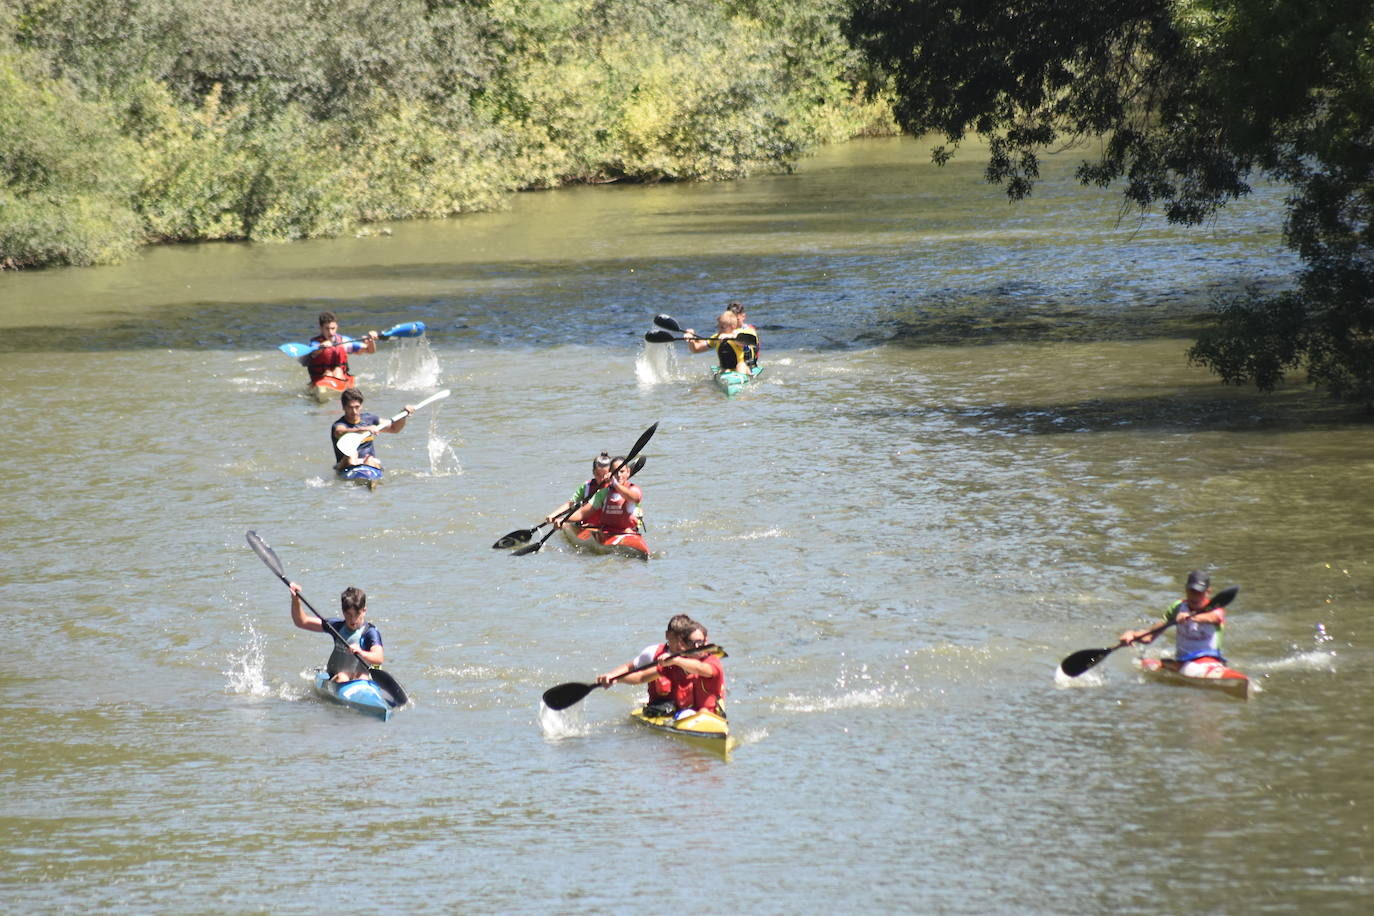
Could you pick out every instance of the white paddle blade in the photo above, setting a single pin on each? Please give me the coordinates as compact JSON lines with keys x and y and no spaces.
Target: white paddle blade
{"x":349,"y":443}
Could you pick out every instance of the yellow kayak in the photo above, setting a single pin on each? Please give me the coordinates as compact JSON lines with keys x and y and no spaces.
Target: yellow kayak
{"x":701,"y":729}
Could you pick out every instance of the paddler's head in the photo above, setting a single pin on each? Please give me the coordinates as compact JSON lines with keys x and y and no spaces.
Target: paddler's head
{"x":737,"y":309}
{"x":352,"y":402}
{"x":1199,"y":588}
{"x":353,"y":603}
{"x":727,"y":323}
{"x":680,"y":628}
{"x":601,"y":467}
{"x":329,"y":325}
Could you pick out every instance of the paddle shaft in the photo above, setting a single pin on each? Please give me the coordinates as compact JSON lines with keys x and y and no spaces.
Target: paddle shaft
{"x":406,"y":329}
{"x":634,"y":453}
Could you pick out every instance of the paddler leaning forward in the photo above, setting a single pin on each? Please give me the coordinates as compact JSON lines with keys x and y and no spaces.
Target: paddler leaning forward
{"x":680,"y":685}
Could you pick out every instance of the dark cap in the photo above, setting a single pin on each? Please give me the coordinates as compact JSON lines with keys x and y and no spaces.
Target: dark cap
{"x":1199,"y":581}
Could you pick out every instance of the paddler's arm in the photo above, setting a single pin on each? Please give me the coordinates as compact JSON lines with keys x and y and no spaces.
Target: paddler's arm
{"x":691,"y":665}
{"x":628,"y":490}
{"x":368,"y":344}
{"x":371,"y":657}
{"x":298,"y":617}
{"x":398,"y":425}
{"x":694,"y":343}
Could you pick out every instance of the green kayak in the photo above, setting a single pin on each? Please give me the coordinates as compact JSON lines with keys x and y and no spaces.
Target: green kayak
{"x":732,"y":381}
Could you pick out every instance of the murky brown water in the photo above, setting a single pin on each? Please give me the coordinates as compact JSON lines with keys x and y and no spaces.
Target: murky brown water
{"x":976,"y":448}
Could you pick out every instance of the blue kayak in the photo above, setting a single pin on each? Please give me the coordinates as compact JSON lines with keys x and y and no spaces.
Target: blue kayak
{"x":363,"y":695}
{"x":364,"y":474}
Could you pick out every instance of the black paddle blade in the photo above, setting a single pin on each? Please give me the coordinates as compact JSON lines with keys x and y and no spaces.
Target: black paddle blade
{"x":528,"y":549}
{"x":267,"y":554}
{"x":666,"y":321}
{"x":1082,"y":660}
{"x":643,"y":441}
{"x":659,"y":337}
{"x":564,"y":695}
{"x":515,"y":537}
{"x":1224,"y":597}
{"x":387,"y":684}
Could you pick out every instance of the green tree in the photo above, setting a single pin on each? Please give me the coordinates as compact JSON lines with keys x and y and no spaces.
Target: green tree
{"x":1191,"y":99}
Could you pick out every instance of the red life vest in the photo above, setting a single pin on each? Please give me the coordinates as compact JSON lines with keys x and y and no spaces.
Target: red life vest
{"x":707,"y":692}
{"x":617,"y":513}
{"x":673,"y":683}
{"x":328,"y":355}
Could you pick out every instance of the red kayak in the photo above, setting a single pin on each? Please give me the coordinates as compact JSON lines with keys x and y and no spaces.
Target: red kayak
{"x":594,"y":540}
{"x":1208,"y":674}
{"x":328,"y":388}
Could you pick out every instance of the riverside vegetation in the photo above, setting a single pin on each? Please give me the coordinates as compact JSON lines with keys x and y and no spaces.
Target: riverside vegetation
{"x":126,"y":122}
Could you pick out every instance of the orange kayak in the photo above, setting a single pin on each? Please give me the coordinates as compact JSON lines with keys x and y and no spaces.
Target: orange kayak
{"x":594,"y":540}
{"x":1214,"y":676}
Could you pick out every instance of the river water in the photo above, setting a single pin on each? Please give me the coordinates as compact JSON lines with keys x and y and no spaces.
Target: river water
{"x":977,"y":447}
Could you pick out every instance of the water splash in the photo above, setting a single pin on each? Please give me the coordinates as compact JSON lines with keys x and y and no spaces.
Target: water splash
{"x":1321,"y":656}
{"x":566,"y":724}
{"x":656,"y":364}
{"x":1090,"y":678}
{"x":412,"y":365}
{"x":246,"y":675}
{"x":443,"y":459}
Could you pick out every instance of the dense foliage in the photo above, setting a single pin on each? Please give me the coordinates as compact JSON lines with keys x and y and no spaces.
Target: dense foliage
{"x":128,"y":121}
{"x":1188,"y":99}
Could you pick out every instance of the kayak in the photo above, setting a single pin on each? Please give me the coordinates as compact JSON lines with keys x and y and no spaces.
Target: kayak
{"x":364,"y":474}
{"x":700,"y":729}
{"x":594,"y":540}
{"x":362,"y":695}
{"x":732,"y":381}
{"x":1215,"y":676}
{"x":327,"y":388}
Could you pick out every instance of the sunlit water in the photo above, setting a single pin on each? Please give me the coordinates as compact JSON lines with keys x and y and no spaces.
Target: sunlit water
{"x":976,"y":448}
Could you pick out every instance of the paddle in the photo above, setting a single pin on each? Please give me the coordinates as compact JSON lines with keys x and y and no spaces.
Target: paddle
{"x":1082,"y":660}
{"x":667,"y":321}
{"x":639,"y":447}
{"x":663,"y":337}
{"x":523,"y":535}
{"x":349,"y":443}
{"x":385,"y":682}
{"x":565,"y":695}
{"x":408,"y":329}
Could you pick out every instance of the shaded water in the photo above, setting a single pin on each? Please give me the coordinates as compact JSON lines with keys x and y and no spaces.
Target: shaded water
{"x":976,"y":448}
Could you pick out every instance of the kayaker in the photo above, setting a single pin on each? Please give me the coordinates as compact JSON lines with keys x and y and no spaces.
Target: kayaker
{"x":354,"y":420}
{"x":744,"y":333}
{"x":601,"y":472}
{"x":668,"y":682}
{"x":363,"y":647}
{"x":330,"y":358}
{"x":730,"y":351}
{"x":1198,"y":641}
{"x":613,"y":509}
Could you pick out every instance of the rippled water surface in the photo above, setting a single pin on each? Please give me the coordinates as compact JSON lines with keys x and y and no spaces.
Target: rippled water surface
{"x":977,"y":447}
